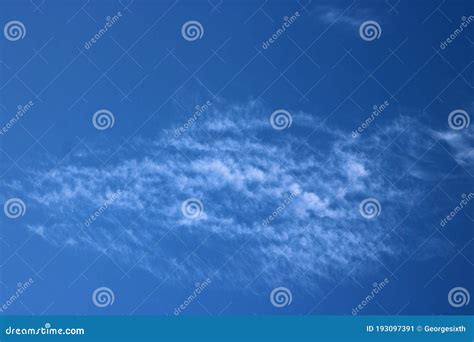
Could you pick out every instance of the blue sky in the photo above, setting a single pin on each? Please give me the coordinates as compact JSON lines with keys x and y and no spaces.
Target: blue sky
{"x":192,"y":119}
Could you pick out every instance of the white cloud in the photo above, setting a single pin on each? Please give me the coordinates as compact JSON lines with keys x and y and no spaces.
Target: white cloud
{"x":241,"y":169}
{"x":461,"y":144}
{"x":352,"y":17}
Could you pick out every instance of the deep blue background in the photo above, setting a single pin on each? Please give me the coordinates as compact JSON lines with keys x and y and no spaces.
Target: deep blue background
{"x":162,"y":77}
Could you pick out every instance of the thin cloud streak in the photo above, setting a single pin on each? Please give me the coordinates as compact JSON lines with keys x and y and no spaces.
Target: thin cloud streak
{"x":242,"y":170}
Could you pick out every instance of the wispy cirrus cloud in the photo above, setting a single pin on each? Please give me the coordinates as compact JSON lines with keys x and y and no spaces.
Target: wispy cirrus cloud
{"x":241,"y":170}
{"x":461,"y":145}
{"x":350,"y":16}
